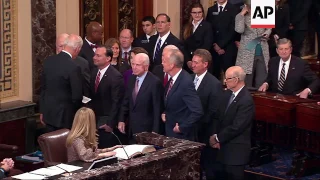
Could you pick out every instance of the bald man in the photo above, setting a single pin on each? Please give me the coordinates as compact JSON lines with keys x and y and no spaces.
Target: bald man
{"x":126,"y":39}
{"x":232,"y":127}
{"x":80,"y":61}
{"x":94,"y":35}
{"x":61,"y":87}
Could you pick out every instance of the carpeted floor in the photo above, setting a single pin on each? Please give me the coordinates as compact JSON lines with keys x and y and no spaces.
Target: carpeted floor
{"x":278,"y":168}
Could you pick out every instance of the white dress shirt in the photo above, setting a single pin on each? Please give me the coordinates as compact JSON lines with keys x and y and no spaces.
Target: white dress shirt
{"x":199,"y":79}
{"x":286,"y":67}
{"x":223,"y":5}
{"x":90,"y":43}
{"x":102,"y":71}
{"x":174,"y":78}
{"x":195,"y":25}
{"x":163,"y":39}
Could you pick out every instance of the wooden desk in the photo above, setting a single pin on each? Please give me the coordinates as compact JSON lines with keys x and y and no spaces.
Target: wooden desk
{"x":308,"y":127}
{"x":275,"y":117}
{"x":17,"y":125}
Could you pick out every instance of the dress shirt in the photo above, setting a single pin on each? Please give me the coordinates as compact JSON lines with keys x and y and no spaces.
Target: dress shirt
{"x":199,"y":79}
{"x":174,"y":78}
{"x":123,"y":52}
{"x":195,"y":25}
{"x":90,"y":43}
{"x":223,"y":5}
{"x":102,"y":71}
{"x":163,"y":39}
{"x":141,"y":79}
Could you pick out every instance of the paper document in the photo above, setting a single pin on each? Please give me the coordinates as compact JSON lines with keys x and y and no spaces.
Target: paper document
{"x":85,"y":99}
{"x":29,"y":176}
{"x":67,"y":167}
{"x":130,"y":150}
{"x":50,"y":171}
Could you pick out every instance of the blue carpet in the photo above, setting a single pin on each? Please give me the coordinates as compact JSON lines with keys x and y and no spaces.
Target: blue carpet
{"x":280,"y":166}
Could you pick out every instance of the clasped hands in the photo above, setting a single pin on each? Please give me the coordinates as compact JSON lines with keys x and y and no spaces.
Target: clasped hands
{"x":7,"y":164}
{"x":217,"y":48}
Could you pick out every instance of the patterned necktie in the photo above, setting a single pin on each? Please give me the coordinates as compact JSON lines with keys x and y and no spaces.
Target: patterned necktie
{"x":195,"y":82}
{"x":170,"y":86}
{"x":165,"y":79}
{"x":230,"y":100}
{"x":135,"y":91}
{"x":221,"y":8}
{"x":126,"y":56}
{"x":157,"y":50}
{"x":282,"y":78}
{"x":97,"y":82}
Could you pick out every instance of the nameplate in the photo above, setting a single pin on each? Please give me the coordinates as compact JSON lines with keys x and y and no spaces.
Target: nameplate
{"x":215,"y":13}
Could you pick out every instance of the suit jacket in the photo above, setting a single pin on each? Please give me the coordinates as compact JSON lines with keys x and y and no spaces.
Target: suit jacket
{"x":299,"y":77}
{"x":158,"y":71}
{"x":299,"y":13}
{"x":201,"y":38}
{"x":182,"y":106}
{"x":85,"y":71}
{"x":142,"y":41}
{"x":106,"y":102}
{"x":233,"y":127}
{"x":171,"y":39}
{"x":87,"y":53}
{"x":145,"y":113}
{"x":209,"y":91}
{"x":61,"y":90}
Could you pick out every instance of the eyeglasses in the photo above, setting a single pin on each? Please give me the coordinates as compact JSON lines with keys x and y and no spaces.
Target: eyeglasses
{"x":226,"y":79}
{"x":196,"y":13}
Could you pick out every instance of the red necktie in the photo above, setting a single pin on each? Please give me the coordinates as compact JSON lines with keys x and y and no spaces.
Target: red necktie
{"x":165,"y":80}
{"x":126,"y":56}
{"x":97,"y":82}
{"x":170,"y":86}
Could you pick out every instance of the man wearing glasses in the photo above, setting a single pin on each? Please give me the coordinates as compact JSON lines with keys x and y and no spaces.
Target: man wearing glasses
{"x":232,"y":127}
{"x":224,"y":51}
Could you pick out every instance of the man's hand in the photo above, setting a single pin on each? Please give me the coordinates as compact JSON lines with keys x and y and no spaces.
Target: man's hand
{"x":121,"y":127}
{"x":318,"y":103}
{"x":216,"y":47}
{"x":263,"y":87}
{"x":106,"y":128}
{"x":237,"y":43}
{"x":291,"y":26}
{"x":176,"y":128}
{"x":7,"y":164}
{"x":221,"y":52}
{"x":163,"y":117}
{"x":213,"y":140}
{"x":41,"y":120}
{"x":304,"y":94}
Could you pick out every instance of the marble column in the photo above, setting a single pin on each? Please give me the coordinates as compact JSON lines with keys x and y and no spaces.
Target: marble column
{"x":43,"y":38}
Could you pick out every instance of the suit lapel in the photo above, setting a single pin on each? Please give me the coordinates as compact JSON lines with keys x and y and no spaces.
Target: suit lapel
{"x":175,"y":85}
{"x":203,"y":82}
{"x":104,"y":77}
{"x":199,"y":28}
{"x":235,"y":100}
{"x":291,"y":71}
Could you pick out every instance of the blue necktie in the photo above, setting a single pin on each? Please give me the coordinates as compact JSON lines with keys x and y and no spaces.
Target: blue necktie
{"x":230,"y":100}
{"x":157,"y":50}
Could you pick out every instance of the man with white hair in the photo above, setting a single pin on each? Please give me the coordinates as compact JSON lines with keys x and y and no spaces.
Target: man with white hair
{"x":61,"y":86}
{"x":143,"y":102}
{"x":232,"y":127}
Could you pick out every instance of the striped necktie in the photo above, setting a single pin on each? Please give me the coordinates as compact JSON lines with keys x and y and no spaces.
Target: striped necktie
{"x":282,"y":78}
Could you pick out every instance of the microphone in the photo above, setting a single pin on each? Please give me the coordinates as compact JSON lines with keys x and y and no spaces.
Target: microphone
{"x":120,"y":144}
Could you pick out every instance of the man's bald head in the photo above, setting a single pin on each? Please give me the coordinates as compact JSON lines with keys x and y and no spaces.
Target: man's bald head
{"x":61,"y":41}
{"x":126,"y":38}
{"x":94,"y":32}
{"x":237,"y":71}
{"x":73,"y":44}
{"x":235,"y":77}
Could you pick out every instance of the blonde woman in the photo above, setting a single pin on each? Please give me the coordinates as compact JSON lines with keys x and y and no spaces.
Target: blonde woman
{"x":82,"y":141}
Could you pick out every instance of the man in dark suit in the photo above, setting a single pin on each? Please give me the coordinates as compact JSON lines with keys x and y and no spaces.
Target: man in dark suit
{"x":182,"y":104}
{"x":232,"y":127}
{"x":143,"y":102}
{"x":165,"y":37}
{"x":158,"y":70}
{"x":299,"y":11}
{"x":126,"y":40}
{"x":107,"y":87}
{"x":80,"y":61}
{"x":94,"y":34}
{"x":209,"y":90}
{"x":290,"y":75}
{"x":224,"y":51}
{"x":61,"y":87}
{"x":149,"y":29}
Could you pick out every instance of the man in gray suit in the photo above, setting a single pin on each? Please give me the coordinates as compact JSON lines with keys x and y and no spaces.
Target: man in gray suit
{"x":80,"y":61}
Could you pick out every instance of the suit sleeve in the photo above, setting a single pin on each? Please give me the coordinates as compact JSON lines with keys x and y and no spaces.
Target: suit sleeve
{"x":312,"y":79}
{"x":86,"y":76}
{"x":124,"y":112}
{"x":242,"y":120}
{"x":117,"y":94}
{"x":230,"y":32}
{"x":76,"y":86}
{"x":157,"y":101}
{"x":239,"y":24}
{"x":193,"y":103}
{"x":213,"y":103}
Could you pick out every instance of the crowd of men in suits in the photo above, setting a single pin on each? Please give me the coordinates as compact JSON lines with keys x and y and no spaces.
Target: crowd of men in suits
{"x":161,"y":96}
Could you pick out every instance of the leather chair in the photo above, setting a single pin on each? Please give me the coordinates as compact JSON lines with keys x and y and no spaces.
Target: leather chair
{"x":53,"y":147}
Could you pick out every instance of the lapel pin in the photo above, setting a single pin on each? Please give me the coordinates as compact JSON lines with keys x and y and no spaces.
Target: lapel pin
{"x":293,"y":68}
{"x":165,"y":43}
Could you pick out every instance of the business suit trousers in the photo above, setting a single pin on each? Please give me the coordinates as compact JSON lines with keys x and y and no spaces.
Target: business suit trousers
{"x":259,"y":73}
{"x":228,"y":172}
{"x":297,"y":38}
{"x":208,"y":161}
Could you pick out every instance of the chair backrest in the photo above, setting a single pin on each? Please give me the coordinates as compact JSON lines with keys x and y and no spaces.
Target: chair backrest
{"x":53,"y":146}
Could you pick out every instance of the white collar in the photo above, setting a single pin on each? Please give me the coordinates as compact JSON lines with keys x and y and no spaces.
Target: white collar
{"x":237,"y":92}
{"x":90,"y":43}
{"x":102,"y":71}
{"x":223,"y":5}
{"x":287,"y":62}
{"x":67,"y":53}
{"x":174,"y":78}
{"x":196,"y":24}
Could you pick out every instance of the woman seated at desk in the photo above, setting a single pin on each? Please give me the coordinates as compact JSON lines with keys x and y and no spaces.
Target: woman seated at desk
{"x":82,"y":140}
